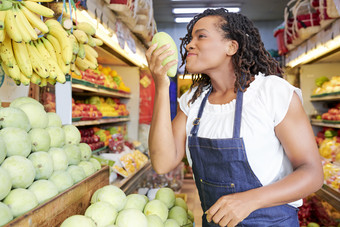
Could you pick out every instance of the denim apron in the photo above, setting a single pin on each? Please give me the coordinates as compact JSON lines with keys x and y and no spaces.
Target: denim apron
{"x":220,"y":167}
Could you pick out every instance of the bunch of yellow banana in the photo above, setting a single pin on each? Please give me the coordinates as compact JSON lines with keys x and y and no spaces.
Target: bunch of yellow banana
{"x":30,"y":62}
{"x":84,"y":55}
{"x":21,"y":20}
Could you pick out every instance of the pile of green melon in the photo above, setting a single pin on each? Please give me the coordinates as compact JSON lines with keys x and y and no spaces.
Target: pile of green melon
{"x":110,"y":207}
{"x":39,"y":157}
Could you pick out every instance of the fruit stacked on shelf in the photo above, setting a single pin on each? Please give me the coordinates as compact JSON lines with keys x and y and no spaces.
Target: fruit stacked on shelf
{"x":333,"y":114}
{"x":324,"y":85}
{"x":113,"y":79}
{"x":97,"y":138}
{"x":93,"y":76}
{"x":104,"y":76}
{"x":85,"y":111}
{"x":109,"y":107}
{"x":48,"y":99}
{"x":129,"y":162}
{"x":328,"y":140}
{"x":110,"y":206}
{"x":315,"y":213}
{"x":331,"y":173}
{"x":88,"y":136}
{"x":49,"y":154}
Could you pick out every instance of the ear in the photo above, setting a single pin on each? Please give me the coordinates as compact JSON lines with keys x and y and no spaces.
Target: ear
{"x":232,"y":47}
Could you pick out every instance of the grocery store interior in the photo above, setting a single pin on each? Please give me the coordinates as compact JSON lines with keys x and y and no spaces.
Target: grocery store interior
{"x":77,"y":99}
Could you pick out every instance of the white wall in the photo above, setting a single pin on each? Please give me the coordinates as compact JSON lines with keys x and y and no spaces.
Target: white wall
{"x":130,"y":76}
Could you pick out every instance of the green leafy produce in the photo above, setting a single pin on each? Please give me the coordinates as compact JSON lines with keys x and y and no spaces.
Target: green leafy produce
{"x":320,"y":80}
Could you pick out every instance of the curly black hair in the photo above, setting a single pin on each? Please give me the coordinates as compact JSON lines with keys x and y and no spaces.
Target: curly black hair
{"x":251,"y":57}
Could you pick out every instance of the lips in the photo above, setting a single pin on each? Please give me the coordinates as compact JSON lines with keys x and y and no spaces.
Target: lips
{"x":190,"y":54}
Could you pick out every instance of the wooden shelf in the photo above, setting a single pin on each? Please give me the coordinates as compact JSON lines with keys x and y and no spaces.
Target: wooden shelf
{"x":330,"y":195}
{"x":73,"y":200}
{"x":130,"y":184}
{"x":326,"y":98}
{"x":321,"y":124}
{"x":79,"y":89}
{"x":101,"y":121}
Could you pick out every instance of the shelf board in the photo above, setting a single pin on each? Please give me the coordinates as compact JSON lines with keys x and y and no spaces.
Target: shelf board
{"x":80,"y":89}
{"x":107,"y":57}
{"x":102,"y":149}
{"x":101,"y":121}
{"x":326,"y":98}
{"x":330,"y":195}
{"x":321,"y":124}
{"x":129,"y":184}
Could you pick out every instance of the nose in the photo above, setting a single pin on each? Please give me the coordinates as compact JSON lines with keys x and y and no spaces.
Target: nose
{"x":190,"y":46}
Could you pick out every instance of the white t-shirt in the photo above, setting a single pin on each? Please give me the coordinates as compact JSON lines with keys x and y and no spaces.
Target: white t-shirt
{"x":265,"y":104}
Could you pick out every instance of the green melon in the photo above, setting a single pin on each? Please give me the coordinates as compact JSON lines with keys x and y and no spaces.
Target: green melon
{"x":158,"y":208}
{"x":77,"y":173}
{"x":102,"y":213}
{"x":43,"y":190}
{"x":53,"y":120}
{"x":78,"y":220}
{"x":87,"y":167}
{"x":3,"y":150}
{"x":20,"y":170}
{"x":131,"y":218}
{"x":14,"y":117}
{"x":57,"y":136}
{"x":40,"y":139}
{"x":86,"y":151}
{"x":36,"y":115}
{"x":59,"y":158}
{"x":17,"y":141}
{"x":20,"y":201}
{"x":162,"y":38}
{"x":43,"y":164}
{"x":72,"y":134}
{"x":23,"y":100}
{"x":73,"y":154}
{"x":62,"y":179}
{"x":167,"y":196}
{"x":5,"y":214}
{"x":6,"y":183}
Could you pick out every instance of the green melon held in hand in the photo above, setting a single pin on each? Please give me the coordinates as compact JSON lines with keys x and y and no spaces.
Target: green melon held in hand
{"x":162,"y":38}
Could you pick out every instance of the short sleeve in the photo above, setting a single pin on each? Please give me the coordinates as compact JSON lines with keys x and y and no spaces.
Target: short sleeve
{"x":279,"y":93}
{"x":184,"y":99}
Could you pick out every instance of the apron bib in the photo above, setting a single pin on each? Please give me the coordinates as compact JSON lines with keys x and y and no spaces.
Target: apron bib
{"x":221,"y":167}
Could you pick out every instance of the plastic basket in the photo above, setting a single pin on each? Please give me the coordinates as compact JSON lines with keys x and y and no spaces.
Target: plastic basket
{"x":279,"y":35}
{"x":306,"y":20}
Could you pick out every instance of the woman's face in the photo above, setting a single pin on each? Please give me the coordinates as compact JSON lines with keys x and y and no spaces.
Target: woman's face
{"x":207,"y":50}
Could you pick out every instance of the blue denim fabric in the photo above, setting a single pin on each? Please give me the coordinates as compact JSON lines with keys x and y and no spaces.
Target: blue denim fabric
{"x":220,"y":167}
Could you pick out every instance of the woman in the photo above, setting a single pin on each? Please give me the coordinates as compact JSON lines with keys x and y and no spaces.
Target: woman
{"x":246,"y":134}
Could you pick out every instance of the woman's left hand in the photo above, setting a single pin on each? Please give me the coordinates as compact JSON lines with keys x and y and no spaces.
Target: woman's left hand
{"x":229,"y":210}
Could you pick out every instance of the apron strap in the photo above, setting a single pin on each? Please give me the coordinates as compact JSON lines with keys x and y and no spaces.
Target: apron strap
{"x":238,"y":114}
{"x":196,"y":122}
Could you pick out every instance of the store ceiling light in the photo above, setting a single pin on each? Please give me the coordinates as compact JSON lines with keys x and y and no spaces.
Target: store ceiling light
{"x":316,"y":52}
{"x":183,"y":19}
{"x":200,"y":10}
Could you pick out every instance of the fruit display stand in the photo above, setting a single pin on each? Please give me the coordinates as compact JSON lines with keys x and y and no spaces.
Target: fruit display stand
{"x":130,"y":184}
{"x":309,"y":70}
{"x":73,"y":201}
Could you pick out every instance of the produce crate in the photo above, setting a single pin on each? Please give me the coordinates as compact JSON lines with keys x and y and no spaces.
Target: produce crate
{"x":74,"y":200}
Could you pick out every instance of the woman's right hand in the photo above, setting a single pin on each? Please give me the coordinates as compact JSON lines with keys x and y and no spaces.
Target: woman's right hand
{"x":155,"y":59}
